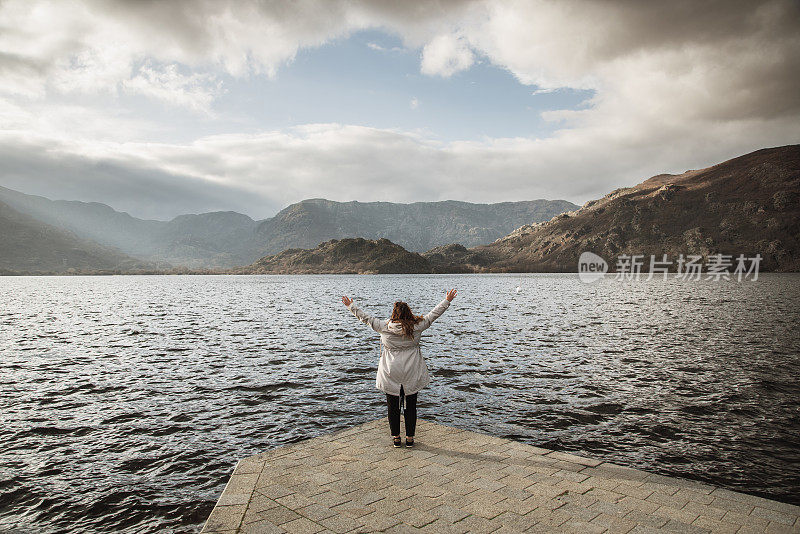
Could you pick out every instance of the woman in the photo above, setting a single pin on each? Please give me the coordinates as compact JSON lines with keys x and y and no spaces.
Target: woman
{"x":402,"y":371}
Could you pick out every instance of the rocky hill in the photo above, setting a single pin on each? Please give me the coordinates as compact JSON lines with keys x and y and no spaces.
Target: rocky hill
{"x":345,"y":256}
{"x":30,"y":246}
{"x":746,"y":205}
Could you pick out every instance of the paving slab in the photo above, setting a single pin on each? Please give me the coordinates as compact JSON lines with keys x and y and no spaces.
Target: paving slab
{"x":455,"y":480}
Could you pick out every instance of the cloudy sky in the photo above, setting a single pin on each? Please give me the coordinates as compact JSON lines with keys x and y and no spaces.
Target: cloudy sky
{"x":162,"y":108}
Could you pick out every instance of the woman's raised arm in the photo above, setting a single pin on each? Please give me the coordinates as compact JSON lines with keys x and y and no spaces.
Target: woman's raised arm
{"x":361,"y":315}
{"x":439,"y":309}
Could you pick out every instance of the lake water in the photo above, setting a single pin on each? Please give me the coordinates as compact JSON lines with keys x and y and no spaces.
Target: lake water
{"x":127,"y":400}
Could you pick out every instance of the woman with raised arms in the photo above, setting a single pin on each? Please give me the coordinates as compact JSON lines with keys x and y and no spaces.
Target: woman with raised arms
{"x":402,"y":371}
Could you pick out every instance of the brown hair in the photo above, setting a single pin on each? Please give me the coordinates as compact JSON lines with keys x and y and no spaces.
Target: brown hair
{"x":402,"y":314}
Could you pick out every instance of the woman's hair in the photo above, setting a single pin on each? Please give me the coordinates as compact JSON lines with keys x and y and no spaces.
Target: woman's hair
{"x":402,"y":314}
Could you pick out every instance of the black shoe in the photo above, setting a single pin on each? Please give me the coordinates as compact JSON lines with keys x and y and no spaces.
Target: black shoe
{"x":409,"y":443}
{"x":397,"y":442}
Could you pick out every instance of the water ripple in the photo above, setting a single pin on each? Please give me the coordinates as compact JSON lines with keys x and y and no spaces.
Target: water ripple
{"x":126,"y":401}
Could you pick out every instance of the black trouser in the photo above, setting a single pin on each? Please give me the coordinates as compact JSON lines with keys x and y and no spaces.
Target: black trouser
{"x":410,"y":410}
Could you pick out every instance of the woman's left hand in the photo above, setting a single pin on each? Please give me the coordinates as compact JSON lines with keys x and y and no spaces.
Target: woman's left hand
{"x":347,"y":301}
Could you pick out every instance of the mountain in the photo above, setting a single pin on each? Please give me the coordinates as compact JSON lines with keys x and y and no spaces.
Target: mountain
{"x":345,"y":256}
{"x":30,"y":246}
{"x":226,"y":239}
{"x":417,"y":227}
{"x":207,"y":240}
{"x":746,"y":205}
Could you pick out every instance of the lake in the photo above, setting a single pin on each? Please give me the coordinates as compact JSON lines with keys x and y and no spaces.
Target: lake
{"x":127,"y":400}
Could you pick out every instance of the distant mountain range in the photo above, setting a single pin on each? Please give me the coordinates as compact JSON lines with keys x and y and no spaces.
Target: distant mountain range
{"x":748,"y":205}
{"x":222,"y":240}
{"x":417,"y":227}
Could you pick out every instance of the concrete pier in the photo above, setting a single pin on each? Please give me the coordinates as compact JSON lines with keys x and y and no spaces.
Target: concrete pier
{"x":459,"y":481}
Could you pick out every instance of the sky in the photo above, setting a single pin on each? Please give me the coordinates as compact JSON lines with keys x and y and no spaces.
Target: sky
{"x":188,"y":106}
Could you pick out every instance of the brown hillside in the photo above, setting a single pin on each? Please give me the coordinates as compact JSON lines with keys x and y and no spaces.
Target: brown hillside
{"x":746,"y":205}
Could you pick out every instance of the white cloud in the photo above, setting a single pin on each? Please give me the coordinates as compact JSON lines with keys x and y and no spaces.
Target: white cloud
{"x":260,"y":173}
{"x":194,"y":91}
{"x":446,"y":55}
{"x":94,"y":46}
{"x":379,"y":48}
{"x":676,"y":85}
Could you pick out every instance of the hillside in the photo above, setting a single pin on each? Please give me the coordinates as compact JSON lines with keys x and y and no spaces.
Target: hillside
{"x":345,"y":256}
{"x":217,"y":239}
{"x":746,"y":205}
{"x":207,"y":240}
{"x":29,"y":246}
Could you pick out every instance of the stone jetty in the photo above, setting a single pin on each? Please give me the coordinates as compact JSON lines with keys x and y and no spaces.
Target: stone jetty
{"x":459,"y":481}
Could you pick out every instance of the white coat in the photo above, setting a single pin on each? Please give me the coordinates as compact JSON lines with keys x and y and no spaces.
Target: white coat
{"x":401,"y":359}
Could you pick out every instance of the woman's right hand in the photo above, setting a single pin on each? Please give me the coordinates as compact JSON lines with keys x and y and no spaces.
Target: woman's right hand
{"x":451,"y":295}
{"x":346,"y":301}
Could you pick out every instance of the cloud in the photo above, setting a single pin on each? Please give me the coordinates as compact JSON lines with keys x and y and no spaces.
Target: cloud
{"x":676,"y":85}
{"x":446,"y":55}
{"x":379,"y":48}
{"x":134,"y":183}
{"x":94,"y":45}
{"x":716,"y":60}
{"x":194,"y":91}
{"x":260,"y":173}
